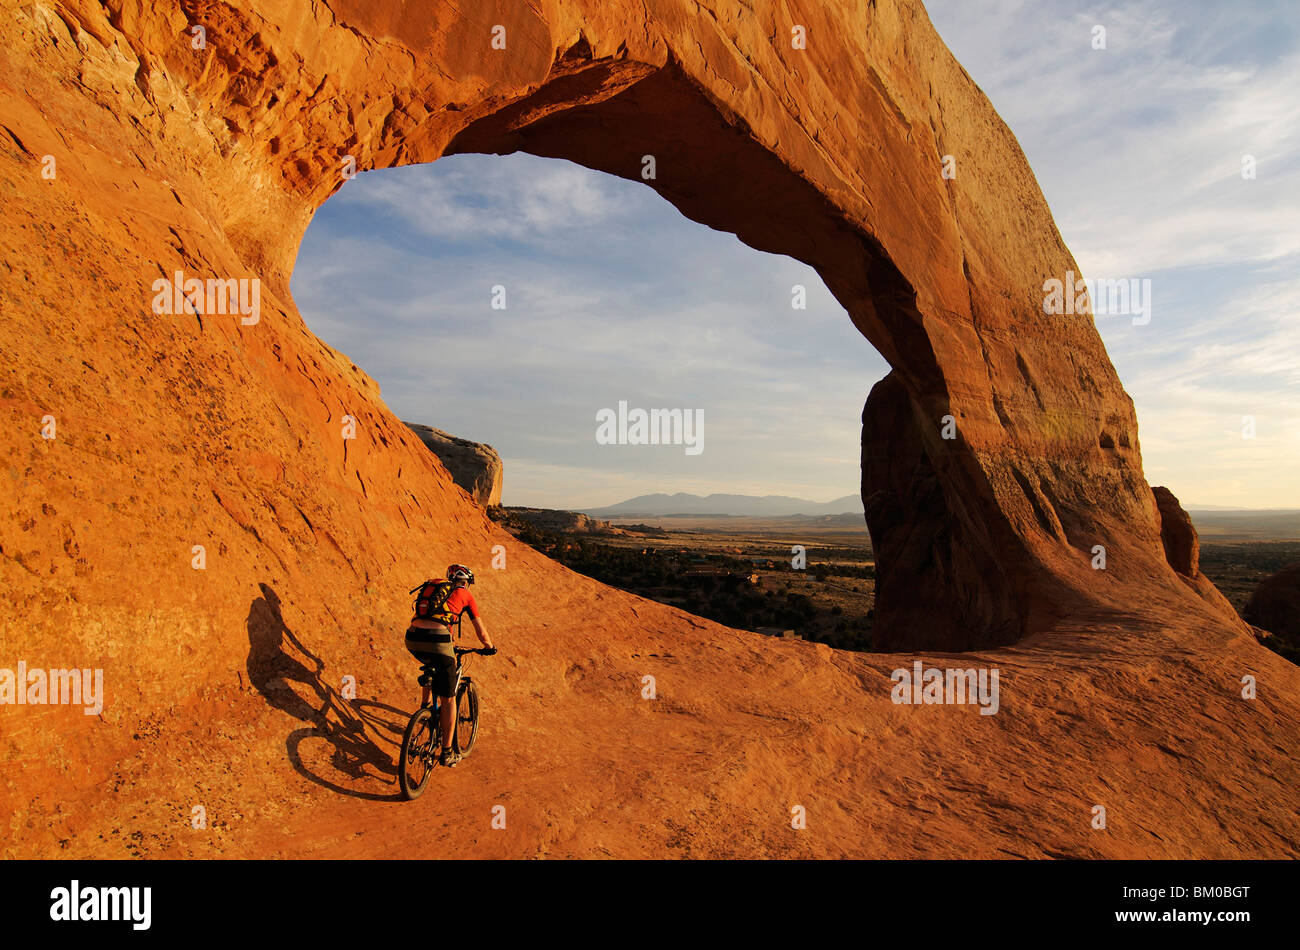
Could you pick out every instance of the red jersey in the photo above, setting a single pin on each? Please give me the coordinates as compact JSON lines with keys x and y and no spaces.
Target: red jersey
{"x":462,"y":601}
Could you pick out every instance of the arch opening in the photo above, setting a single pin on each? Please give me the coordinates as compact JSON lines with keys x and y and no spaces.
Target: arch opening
{"x":951,"y":573}
{"x":612,"y":295}
{"x":946,"y":562}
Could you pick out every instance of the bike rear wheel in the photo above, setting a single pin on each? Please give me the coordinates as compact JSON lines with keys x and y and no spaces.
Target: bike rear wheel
{"x":466,"y":718}
{"x":420,"y":744}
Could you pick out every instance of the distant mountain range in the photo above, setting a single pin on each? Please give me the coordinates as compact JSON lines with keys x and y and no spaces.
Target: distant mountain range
{"x":735,"y":506}
{"x":1211,"y":522}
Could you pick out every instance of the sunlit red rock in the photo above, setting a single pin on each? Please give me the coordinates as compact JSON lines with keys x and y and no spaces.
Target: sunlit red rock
{"x":227,"y":517}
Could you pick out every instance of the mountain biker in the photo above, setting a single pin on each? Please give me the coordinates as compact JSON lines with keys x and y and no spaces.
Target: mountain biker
{"x":429,"y":640}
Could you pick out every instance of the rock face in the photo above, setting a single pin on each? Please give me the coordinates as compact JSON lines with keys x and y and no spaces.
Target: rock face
{"x":1183,"y":550}
{"x":920,"y":546}
{"x":218,"y":510}
{"x":1182,"y":547}
{"x":474,"y":466}
{"x":550,"y":519}
{"x":1275,"y":607}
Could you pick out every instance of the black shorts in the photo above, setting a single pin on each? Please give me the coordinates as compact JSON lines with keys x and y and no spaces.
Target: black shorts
{"x":428,"y":647}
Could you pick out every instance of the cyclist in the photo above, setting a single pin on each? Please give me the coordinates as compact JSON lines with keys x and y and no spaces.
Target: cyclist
{"x":429,"y":640}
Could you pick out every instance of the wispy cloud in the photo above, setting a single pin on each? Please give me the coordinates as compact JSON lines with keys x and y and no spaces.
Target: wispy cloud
{"x":610,"y":295}
{"x":479,"y":201}
{"x":1139,"y":150}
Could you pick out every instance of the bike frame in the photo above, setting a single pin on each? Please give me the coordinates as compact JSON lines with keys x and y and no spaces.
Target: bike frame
{"x":434,"y":707}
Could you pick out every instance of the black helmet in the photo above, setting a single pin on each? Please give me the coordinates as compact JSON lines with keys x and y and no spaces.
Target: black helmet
{"x":459,"y":572}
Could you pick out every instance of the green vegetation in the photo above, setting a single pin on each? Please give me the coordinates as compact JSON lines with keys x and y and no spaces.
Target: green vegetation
{"x":1238,"y":567}
{"x":830,"y":603}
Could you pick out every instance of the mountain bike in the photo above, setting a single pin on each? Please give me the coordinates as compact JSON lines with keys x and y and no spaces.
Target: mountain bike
{"x":422,"y":741}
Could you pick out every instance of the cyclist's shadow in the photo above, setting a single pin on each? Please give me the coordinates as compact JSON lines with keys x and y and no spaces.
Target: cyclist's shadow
{"x":273,"y":666}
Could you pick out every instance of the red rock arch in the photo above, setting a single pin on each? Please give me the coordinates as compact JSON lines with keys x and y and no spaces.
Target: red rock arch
{"x":981,"y":538}
{"x":174,"y":432}
{"x":830,"y":154}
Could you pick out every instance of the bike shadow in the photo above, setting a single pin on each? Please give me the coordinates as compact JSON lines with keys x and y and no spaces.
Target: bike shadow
{"x":277,"y":663}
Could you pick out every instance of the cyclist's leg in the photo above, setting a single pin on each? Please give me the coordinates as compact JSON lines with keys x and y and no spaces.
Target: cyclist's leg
{"x":423,"y":652}
{"x":447,"y":716}
{"x":444,"y":684}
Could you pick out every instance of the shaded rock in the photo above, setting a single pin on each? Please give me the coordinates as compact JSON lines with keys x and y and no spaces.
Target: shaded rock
{"x":473,"y":466}
{"x":1183,"y":553}
{"x":1275,"y":607}
{"x":1177,"y":534}
{"x":936,"y":587}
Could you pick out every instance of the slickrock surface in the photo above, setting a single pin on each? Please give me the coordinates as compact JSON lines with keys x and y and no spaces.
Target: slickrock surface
{"x":200,"y":526}
{"x":473,"y":466}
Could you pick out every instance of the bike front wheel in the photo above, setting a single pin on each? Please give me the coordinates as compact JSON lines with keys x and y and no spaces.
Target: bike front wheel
{"x":420,"y":744}
{"x":466,"y":718}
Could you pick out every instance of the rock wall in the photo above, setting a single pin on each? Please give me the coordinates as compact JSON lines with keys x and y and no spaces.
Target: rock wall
{"x":1275,"y":607}
{"x":474,"y":466}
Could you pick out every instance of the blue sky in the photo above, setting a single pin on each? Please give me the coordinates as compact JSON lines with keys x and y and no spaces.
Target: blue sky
{"x":612,"y":295}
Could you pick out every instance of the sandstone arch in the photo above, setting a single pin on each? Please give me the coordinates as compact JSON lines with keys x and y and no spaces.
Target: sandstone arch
{"x":1003,"y":541}
{"x":177,"y":432}
{"x":831,"y":155}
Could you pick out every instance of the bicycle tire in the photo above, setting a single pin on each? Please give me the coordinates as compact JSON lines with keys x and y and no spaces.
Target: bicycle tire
{"x":414,"y":754}
{"x":466,"y":718}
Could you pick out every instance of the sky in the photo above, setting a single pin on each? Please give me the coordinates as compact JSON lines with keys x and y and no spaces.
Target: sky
{"x":611,"y":295}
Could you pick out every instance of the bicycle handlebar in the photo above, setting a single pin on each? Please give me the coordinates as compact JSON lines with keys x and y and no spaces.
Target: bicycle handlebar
{"x":485,"y":651}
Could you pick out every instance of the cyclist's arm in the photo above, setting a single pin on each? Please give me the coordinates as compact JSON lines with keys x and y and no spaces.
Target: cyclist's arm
{"x":482,"y":632}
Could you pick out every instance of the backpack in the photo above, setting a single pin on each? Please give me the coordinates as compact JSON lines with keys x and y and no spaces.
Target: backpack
{"x":431,"y":602}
